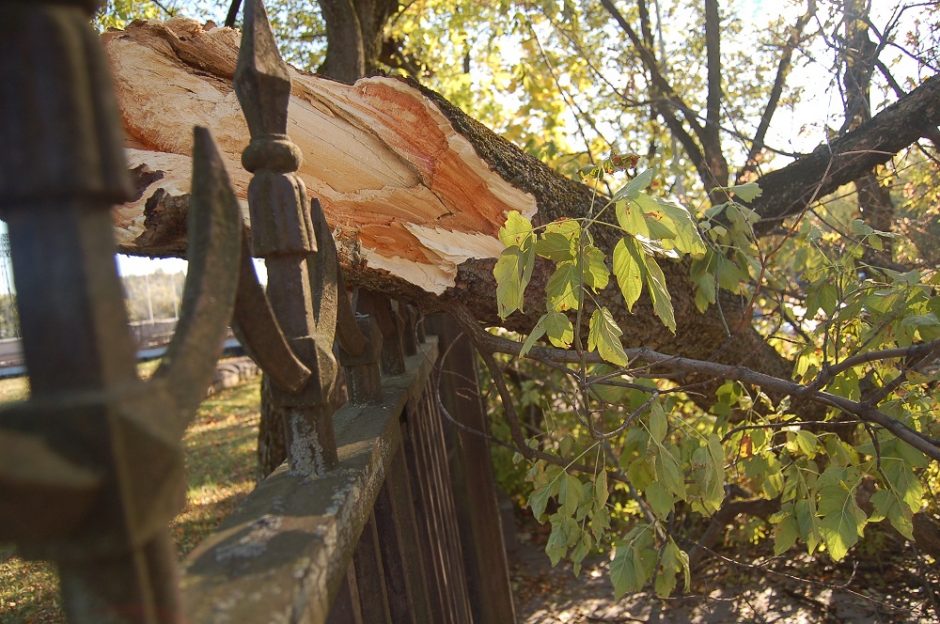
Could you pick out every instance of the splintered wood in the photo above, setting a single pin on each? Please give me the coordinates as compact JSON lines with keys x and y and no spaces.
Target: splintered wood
{"x":397,"y":182}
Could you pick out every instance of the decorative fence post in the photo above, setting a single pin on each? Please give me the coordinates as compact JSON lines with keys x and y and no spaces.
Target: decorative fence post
{"x":91,"y":466}
{"x":302,"y":288}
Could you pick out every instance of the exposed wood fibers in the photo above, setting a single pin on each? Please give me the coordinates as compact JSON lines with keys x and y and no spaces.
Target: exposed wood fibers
{"x":393,"y":175}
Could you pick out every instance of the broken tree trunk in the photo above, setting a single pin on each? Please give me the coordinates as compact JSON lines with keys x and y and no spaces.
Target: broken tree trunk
{"x":415,"y":190}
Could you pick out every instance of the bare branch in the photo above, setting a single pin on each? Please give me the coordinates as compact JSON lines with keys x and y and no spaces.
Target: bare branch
{"x":783,"y":69}
{"x":713,"y":59}
{"x":789,"y":190}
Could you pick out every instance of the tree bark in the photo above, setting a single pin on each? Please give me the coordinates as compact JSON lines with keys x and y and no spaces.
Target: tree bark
{"x":790,"y":190}
{"x":417,"y":190}
{"x":353,"y":36}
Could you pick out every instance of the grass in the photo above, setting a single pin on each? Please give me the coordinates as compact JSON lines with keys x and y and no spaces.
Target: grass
{"x":220,"y":467}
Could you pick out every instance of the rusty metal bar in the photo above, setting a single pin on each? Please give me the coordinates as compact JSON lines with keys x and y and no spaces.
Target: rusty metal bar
{"x":404,"y":577}
{"x":302,"y":288}
{"x":454,"y":546}
{"x":427,"y":517}
{"x":472,"y":477}
{"x":106,"y":474}
{"x":370,"y":576}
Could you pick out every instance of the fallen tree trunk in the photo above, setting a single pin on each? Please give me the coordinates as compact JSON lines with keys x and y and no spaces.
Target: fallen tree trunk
{"x":415,"y":190}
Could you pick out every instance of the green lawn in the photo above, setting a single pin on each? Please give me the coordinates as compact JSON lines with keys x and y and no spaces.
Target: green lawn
{"x":220,"y":463}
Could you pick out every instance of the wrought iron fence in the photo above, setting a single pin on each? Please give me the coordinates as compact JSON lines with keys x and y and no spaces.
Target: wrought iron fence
{"x":360,"y":523}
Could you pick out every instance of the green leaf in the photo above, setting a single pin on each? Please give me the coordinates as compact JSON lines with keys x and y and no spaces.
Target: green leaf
{"x":714,"y":493}
{"x":538,"y":501}
{"x":806,"y":442}
{"x":596,"y":273}
{"x":604,"y":335}
{"x":673,"y":561}
{"x":512,"y":272}
{"x":582,"y":548}
{"x":746,"y":192}
{"x":557,"y":545}
{"x":537,"y":332}
{"x":658,"y":422}
{"x":569,"y":494}
{"x":634,"y":561}
{"x":564,"y":287}
{"x":785,"y":533}
{"x":860,"y":228}
{"x":629,"y":269}
{"x":555,"y":246}
{"x":662,"y":303}
{"x":660,"y":499}
{"x":842,"y":521}
{"x":730,"y":276}
{"x":517,"y":230}
{"x":828,"y":298}
{"x":669,"y":473}
{"x":888,"y":505}
{"x":600,"y":523}
{"x":805,"y":513}
{"x":601,"y":493}
{"x":559,"y":329}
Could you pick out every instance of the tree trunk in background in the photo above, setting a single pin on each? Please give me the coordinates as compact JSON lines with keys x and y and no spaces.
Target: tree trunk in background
{"x":874,"y":200}
{"x":353,"y":36}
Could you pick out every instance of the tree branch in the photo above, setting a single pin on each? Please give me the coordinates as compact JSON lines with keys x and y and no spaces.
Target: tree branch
{"x":790,"y":190}
{"x":652,"y":65}
{"x":783,"y":69}
{"x":862,"y":410}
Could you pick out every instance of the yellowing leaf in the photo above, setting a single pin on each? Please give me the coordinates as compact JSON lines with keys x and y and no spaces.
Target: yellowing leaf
{"x":604,"y":335}
{"x":687,"y":240}
{"x":746,"y":192}
{"x":630,"y":217}
{"x":559,"y":329}
{"x":632,"y":188}
{"x":596,"y":273}
{"x":785,"y":533}
{"x":564,"y":287}
{"x":516,"y":231}
{"x":568,"y":228}
{"x":512,"y":273}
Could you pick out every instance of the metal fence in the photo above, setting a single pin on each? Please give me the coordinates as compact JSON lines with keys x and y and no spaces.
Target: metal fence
{"x":361,"y":523}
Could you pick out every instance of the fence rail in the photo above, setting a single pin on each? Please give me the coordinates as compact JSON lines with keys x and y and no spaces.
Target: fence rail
{"x":360,"y":524}
{"x":284,"y":554}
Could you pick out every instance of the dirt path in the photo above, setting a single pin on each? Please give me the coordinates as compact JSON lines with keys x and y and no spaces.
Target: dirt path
{"x":721,"y":593}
